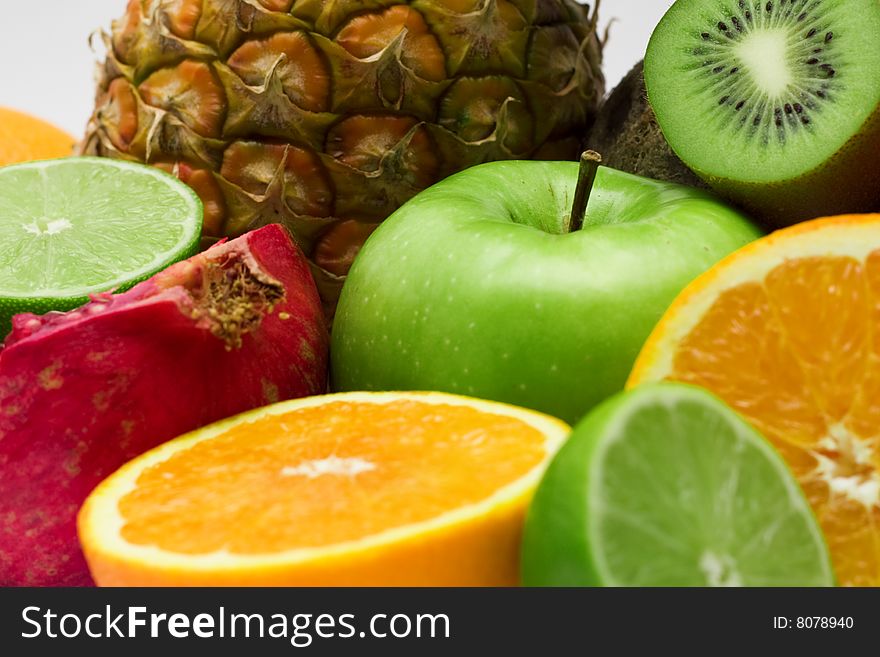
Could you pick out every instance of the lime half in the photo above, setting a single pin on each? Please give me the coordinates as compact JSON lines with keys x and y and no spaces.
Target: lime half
{"x":667,"y":486}
{"x":82,"y":225}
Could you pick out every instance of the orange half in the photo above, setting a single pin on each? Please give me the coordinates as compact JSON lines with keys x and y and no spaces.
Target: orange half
{"x":353,"y":489}
{"x":24,"y":138}
{"x":787,"y":331}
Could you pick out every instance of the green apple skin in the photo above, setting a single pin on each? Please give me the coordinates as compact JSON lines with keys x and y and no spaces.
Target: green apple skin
{"x":476,"y":287}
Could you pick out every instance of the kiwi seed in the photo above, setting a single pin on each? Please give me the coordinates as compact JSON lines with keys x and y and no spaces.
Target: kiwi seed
{"x":810,"y":58}
{"x":774,"y":103}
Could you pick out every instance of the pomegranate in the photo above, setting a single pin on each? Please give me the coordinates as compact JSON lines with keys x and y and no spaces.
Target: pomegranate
{"x":236,"y":327}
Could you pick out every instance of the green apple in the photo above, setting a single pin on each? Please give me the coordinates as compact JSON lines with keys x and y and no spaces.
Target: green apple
{"x":484,"y":285}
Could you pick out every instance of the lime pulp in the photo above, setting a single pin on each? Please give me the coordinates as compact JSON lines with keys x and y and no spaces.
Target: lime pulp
{"x":667,"y":486}
{"x":76,"y":226}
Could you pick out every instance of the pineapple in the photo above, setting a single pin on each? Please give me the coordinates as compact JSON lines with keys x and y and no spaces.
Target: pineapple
{"x":327,"y":115}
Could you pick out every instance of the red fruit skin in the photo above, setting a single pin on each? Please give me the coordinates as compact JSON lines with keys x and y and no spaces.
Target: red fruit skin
{"x":84,"y":392}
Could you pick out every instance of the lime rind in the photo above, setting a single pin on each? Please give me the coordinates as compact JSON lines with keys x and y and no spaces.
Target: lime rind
{"x":78,"y":226}
{"x":666,"y":486}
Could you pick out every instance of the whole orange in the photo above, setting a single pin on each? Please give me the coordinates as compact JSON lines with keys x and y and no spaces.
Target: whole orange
{"x":24,"y":137}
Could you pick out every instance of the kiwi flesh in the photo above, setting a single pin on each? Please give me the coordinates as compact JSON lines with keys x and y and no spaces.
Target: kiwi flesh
{"x":774,"y":103}
{"x":628,"y":137}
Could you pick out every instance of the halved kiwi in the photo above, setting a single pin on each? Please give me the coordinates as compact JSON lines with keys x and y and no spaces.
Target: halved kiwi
{"x":774,"y":103}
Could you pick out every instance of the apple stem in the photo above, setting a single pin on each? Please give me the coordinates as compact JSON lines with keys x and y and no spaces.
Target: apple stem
{"x":590,"y":161}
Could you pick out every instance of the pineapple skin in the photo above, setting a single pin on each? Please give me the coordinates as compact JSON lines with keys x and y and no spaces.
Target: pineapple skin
{"x":327,"y":115}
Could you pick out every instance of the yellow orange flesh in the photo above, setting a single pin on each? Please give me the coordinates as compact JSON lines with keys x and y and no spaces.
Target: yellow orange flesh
{"x":787,"y":331}
{"x":24,"y":138}
{"x":347,"y":489}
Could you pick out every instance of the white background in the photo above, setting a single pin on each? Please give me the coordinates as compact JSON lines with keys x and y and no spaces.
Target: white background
{"x":47,"y":66}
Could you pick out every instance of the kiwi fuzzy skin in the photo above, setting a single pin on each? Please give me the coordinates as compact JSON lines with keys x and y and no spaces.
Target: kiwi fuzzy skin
{"x":847,"y":183}
{"x":628,"y":137}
